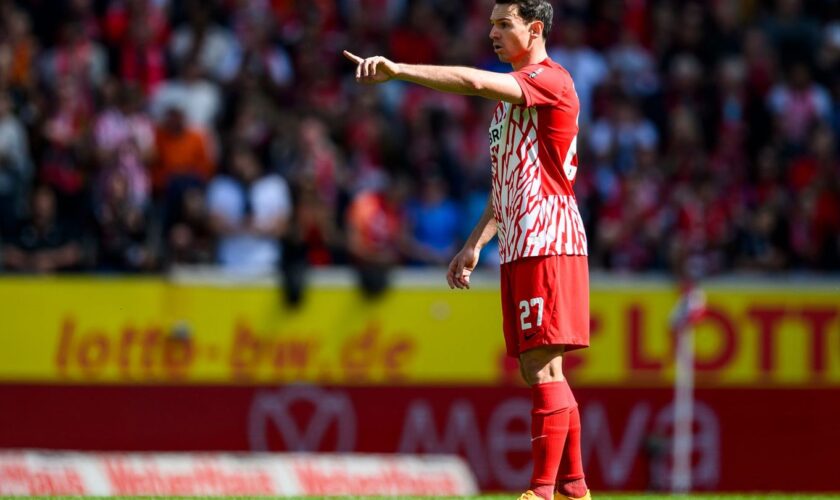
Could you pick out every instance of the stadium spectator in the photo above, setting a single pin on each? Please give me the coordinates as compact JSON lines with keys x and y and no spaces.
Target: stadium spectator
{"x":121,"y":227}
{"x":190,"y":238}
{"x":198,"y":98}
{"x":816,"y":179}
{"x":43,"y":243}
{"x":835,"y":112}
{"x":434,"y":220}
{"x":19,"y":49}
{"x":318,"y":178}
{"x":138,"y":29}
{"x":313,"y":238}
{"x":798,"y":104}
{"x":741,"y":93}
{"x":588,"y":66}
{"x":201,"y":40}
{"x":183,"y":155}
{"x":15,"y":166}
{"x":619,"y":135}
{"x":314,"y":229}
{"x":419,"y":41}
{"x":249,"y":212}
{"x":633,"y":65}
{"x":258,"y":124}
{"x":376,"y":232}
{"x":76,"y":57}
{"x":632,"y":220}
{"x":65,"y":159}
{"x":124,"y":138}
{"x":256,"y":60}
{"x":792,"y":31}
{"x":366,"y":26}
{"x":320,"y":161}
{"x":725,"y":36}
{"x":762,"y":243}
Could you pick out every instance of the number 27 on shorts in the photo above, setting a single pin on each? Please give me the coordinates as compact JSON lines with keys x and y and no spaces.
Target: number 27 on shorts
{"x":527,"y":309}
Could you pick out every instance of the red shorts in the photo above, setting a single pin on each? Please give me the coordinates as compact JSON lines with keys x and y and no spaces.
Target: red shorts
{"x":545,"y":301}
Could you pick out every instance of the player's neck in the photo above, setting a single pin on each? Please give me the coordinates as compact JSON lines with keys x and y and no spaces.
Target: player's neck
{"x":537,"y":55}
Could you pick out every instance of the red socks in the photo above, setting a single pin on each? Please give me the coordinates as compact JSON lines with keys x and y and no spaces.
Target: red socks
{"x":549,"y":426}
{"x":555,"y":442}
{"x":570,"y":478}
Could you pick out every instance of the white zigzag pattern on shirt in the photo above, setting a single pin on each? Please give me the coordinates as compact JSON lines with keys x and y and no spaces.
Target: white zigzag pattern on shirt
{"x":530,"y":224}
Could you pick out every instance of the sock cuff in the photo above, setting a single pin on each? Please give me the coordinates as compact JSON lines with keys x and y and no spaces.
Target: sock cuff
{"x":551,"y":397}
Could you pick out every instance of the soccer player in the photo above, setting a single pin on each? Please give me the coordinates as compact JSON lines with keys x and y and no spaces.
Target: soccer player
{"x":532,"y":208}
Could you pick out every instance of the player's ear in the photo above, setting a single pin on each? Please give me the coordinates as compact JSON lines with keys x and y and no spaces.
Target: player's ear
{"x":536,"y":29}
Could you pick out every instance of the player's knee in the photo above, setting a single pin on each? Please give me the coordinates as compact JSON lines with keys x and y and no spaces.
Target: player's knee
{"x":529,"y":374}
{"x":542,"y":365}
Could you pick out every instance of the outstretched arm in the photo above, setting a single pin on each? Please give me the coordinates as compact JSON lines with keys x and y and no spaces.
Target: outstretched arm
{"x":452,"y":79}
{"x":463,"y":264}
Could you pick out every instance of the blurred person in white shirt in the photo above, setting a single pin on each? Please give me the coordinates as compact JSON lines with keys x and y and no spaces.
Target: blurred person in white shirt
{"x":15,"y":165}
{"x":199,"y":98}
{"x":586,"y":65}
{"x":249,"y":212}
{"x":201,"y":38}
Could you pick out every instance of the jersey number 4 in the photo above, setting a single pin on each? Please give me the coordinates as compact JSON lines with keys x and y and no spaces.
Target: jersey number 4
{"x":568,"y":167}
{"x":570,"y":163}
{"x":526,"y":308}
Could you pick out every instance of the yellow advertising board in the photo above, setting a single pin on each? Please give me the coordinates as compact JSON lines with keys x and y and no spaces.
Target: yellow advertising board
{"x":87,"y":330}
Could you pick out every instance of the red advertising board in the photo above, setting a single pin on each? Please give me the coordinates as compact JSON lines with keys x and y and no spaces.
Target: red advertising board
{"x":745,"y":439}
{"x":25,"y":473}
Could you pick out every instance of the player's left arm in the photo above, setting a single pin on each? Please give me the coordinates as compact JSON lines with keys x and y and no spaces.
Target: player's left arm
{"x":452,"y":79}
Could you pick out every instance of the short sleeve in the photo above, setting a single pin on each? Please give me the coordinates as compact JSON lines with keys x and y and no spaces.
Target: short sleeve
{"x":272,"y":198}
{"x":541,"y":85}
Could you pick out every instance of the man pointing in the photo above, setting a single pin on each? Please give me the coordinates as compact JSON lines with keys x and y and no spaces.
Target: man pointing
{"x":532,"y":209}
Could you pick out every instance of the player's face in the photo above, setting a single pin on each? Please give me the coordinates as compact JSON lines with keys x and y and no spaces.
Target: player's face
{"x":510,"y":33}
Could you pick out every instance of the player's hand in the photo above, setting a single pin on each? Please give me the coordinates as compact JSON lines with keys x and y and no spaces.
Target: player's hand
{"x":461,"y":267}
{"x":376,"y":69}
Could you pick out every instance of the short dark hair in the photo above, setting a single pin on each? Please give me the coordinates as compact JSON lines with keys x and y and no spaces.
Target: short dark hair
{"x":534,"y":10}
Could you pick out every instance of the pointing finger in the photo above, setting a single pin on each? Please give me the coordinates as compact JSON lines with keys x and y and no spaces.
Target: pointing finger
{"x":353,"y":57}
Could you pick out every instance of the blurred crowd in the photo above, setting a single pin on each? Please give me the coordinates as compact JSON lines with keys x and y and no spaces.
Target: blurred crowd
{"x":140,"y":134}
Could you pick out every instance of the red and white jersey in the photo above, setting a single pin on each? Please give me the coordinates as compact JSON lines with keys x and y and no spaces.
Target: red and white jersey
{"x":533,"y":149}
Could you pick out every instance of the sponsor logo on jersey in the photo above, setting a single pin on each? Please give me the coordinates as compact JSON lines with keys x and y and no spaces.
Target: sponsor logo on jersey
{"x":495,"y":134}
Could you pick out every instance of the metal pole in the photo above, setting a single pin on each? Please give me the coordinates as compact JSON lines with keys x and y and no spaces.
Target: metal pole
{"x":683,"y":411}
{"x":688,"y":310}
